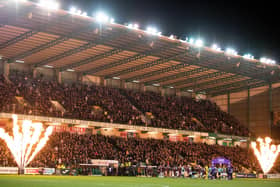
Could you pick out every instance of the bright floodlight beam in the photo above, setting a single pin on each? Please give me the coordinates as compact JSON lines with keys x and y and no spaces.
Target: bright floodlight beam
{"x":133,"y":26}
{"x":49,"y":4}
{"x":248,"y":56}
{"x":73,"y":10}
{"x":112,"y":20}
{"x":153,"y":31}
{"x":101,"y":17}
{"x":199,"y":43}
{"x":191,"y":41}
{"x":267,"y":61}
{"x":84,"y":14}
{"x":172,"y":37}
{"x":216,"y":47}
{"x":231,"y":51}
{"x":20,"y":1}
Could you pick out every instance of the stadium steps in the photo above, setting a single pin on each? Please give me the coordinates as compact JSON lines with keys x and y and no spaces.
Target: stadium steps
{"x":115,"y":145}
{"x":136,"y":107}
{"x":58,"y":106}
{"x":198,"y":122}
{"x":7,"y":79}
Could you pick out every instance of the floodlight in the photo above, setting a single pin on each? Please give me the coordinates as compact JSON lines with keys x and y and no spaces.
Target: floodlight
{"x":267,"y":61}
{"x":84,"y":14}
{"x":112,"y":20}
{"x":20,"y":61}
{"x":70,"y":70}
{"x":172,"y":37}
{"x":101,"y":17}
{"x":23,"y":1}
{"x":231,"y":51}
{"x":216,"y":47}
{"x":133,"y":26}
{"x":198,"y":43}
{"x":248,"y":56}
{"x":191,"y":40}
{"x":48,"y":66}
{"x":73,"y":10}
{"x":49,"y":4}
{"x":153,"y":31}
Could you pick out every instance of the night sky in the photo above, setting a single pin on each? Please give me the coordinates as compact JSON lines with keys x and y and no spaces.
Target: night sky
{"x":247,"y":26}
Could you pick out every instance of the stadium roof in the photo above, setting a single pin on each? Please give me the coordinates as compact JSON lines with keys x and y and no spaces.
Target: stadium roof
{"x":57,"y":39}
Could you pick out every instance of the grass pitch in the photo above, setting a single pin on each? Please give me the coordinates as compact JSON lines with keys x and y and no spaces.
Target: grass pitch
{"x":62,"y":181}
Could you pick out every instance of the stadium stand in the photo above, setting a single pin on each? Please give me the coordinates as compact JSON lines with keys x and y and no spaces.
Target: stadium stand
{"x":71,"y":150}
{"x":114,"y":105}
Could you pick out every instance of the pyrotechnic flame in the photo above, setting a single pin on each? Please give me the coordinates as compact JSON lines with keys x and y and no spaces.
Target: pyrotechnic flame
{"x":266,"y":154}
{"x":26,"y":139}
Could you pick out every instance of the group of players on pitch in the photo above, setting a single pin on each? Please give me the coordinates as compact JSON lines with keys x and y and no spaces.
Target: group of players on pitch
{"x":213,"y":173}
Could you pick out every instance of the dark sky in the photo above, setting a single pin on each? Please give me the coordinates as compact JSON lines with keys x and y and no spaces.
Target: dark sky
{"x":247,"y":26}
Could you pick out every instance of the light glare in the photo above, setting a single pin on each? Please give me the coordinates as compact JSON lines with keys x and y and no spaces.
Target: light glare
{"x":231,"y":51}
{"x":248,"y":56}
{"x":216,"y":47}
{"x":133,"y":26}
{"x":198,"y":43}
{"x":191,"y":41}
{"x":267,"y":61}
{"x":101,"y":17}
{"x":49,"y":4}
{"x":153,"y":31}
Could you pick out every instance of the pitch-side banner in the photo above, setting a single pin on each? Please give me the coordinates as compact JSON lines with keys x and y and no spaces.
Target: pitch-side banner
{"x":273,"y":176}
{"x":244,"y":175}
{"x":8,"y":170}
{"x":49,"y":171}
{"x":31,"y":171}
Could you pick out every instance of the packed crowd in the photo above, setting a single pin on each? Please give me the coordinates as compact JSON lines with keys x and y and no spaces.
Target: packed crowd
{"x":73,"y":149}
{"x":24,"y":94}
{"x":180,"y":113}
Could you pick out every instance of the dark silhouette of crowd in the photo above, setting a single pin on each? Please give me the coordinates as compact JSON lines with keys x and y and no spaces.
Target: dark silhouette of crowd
{"x":24,"y":94}
{"x":71,"y":149}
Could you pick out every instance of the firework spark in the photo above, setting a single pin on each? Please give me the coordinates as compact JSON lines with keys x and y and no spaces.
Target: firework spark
{"x":266,"y":154}
{"x":27,"y":140}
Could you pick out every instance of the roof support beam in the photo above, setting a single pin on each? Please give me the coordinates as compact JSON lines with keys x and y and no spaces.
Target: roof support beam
{"x":147,"y":65}
{"x":157,"y":72}
{"x":176,"y":76}
{"x":49,"y":44}
{"x":217,"y":81}
{"x":91,"y":59}
{"x":104,"y":55}
{"x":127,"y":60}
{"x":27,"y":34}
{"x":195,"y":79}
{"x":65,"y":54}
{"x":228,"y":86}
{"x":84,"y":47}
{"x":19,"y":38}
{"x":259,"y":84}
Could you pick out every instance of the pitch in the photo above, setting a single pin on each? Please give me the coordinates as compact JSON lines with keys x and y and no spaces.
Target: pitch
{"x":61,"y":181}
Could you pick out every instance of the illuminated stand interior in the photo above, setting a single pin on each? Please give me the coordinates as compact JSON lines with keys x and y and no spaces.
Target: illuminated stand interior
{"x":27,"y":140}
